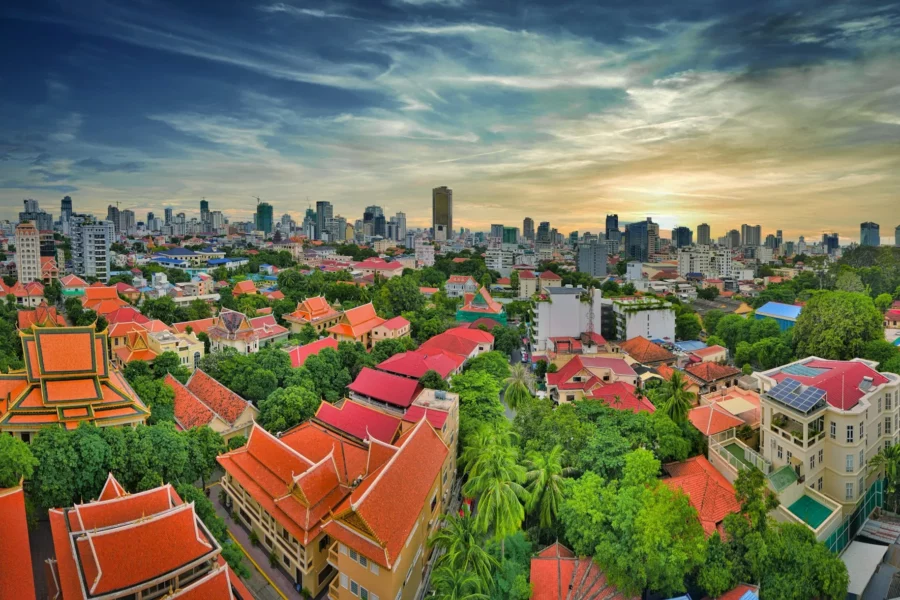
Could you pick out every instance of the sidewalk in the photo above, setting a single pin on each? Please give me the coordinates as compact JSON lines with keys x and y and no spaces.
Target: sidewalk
{"x":261,"y":588}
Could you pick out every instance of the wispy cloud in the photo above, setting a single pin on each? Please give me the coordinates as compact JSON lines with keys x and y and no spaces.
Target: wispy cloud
{"x":281,"y":7}
{"x":95,"y":164}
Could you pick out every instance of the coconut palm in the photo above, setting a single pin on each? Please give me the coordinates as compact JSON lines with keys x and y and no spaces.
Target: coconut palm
{"x":544,"y":484}
{"x":495,"y":478}
{"x":887,"y":462}
{"x":463,"y":546}
{"x":481,"y":439}
{"x":449,"y":583}
{"x":520,"y":386}
{"x":679,"y":401}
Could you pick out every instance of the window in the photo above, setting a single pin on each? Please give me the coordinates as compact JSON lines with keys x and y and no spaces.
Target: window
{"x":374,"y":568}
{"x":862,"y":458}
{"x":879,"y":430}
{"x":887,"y":426}
{"x":363,"y":560}
{"x":354,"y":587}
{"x":363,"y":593}
{"x":821,"y":456}
{"x":353,"y":554}
{"x":887,"y":401}
{"x":780,"y":452}
{"x":849,"y":493}
{"x":833,"y":430}
{"x":343,"y":580}
{"x":849,"y":434}
{"x":849,"y":466}
{"x":287,"y":561}
{"x":789,"y":456}
{"x":433,"y":502}
{"x":862,"y":430}
{"x":812,"y":462}
{"x":342,"y":549}
{"x":879,"y":405}
{"x":819,"y":484}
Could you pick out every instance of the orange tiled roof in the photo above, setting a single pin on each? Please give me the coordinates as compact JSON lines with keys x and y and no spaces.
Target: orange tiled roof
{"x":482,"y":302}
{"x":16,"y":579}
{"x":198,"y":326}
{"x":111,"y":489}
{"x":358,"y":321}
{"x":189,"y":410}
{"x":73,"y":281}
{"x":225,"y":403}
{"x":244,"y":287}
{"x":707,"y":489}
{"x":43,"y":316}
{"x":708,"y":372}
{"x":644,"y":351}
{"x":711,"y":419}
{"x":557,"y":574}
{"x":102,"y":299}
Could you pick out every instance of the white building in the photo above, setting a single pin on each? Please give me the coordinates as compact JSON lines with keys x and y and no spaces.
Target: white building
{"x":500,"y":260}
{"x":424,"y":253}
{"x":647,"y":317}
{"x":90,"y":247}
{"x":634,"y":271}
{"x":28,"y":253}
{"x":710,"y":262}
{"x":566,"y":313}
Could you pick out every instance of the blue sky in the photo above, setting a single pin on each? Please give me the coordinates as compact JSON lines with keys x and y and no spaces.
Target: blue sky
{"x":785,"y":114}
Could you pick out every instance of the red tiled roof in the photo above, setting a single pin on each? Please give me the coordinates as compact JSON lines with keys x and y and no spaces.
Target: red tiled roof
{"x":737,"y":593}
{"x":111,"y":489}
{"x":416,"y":413}
{"x":462,"y":279}
{"x":73,"y":281}
{"x":711,"y":419}
{"x":243,"y":287}
{"x":16,"y":579}
{"x":486,"y":321}
{"x":450,"y":343}
{"x":840,"y":380}
{"x":707,"y":489}
{"x":708,"y":372}
{"x":357,"y":321}
{"x":482,"y":302}
{"x":359,"y":420}
{"x":102,"y":299}
{"x":312,"y":310}
{"x":556,"y":574}
{"x":627,"y":400}
{"x":708,"y":351}
{"x":126,"y":314}
{"x":216,"y":396}
{"x":385,"y":387}
{"x":893,"y":314}
{"x":378,"y":264}
{"x":189,"y":410}
{"x":527,"y":275}
{"x":42,"y":316}
{"x":395,"y":323}
{"x":198,"y":326}
{"x":550,"y":275}
{"x":266,"y":327}
{"x":585,"y":363}
{"x":415,"y":364}
{"x":299,"y":354}
{"x":644,"y":351}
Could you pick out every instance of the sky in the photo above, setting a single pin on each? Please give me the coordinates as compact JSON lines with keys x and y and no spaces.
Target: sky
{"x":784,"y":114}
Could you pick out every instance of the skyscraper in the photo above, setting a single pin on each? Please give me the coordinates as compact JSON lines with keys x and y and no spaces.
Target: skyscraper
{"x":528,"y":229}
{"x":510,"y":236}
{"x":400,"y":218}
{"x":65,"y":208}
{"x":28,"y":252}
{"x":703,"y":235}
{"x":112,"y":215}
{"x":751,"y":235}
{"x":90,"y":246}
{"x":379,"y":225}
{"x":830,"y":242}
{"x":682,"y":237}
{"x":592,"y":258}
{"x":733,"y":239}
{"x":264,"y":218}
{"x":612,"y":223}
{"x":41,"y":219}
{"x":324,"y":214}
{"x":897,"y":236}
{"x":441,"y":212}
{"x":167,"y":213}
{"x":869,"y":234}
{"x":543,"y":232}
{"x":640,"y":239}
{"x":496,"y":231}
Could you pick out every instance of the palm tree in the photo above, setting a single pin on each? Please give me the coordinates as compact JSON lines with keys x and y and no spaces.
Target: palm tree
{"x":888,"y":462}
{"x":520,"y":386}
{"x":463,"y":546}
{"x":478,"y":442}
{"x":449,"y":583}
{"x":679,"y":401}
{"x":544,"y":484}
{"x":496,"y":479}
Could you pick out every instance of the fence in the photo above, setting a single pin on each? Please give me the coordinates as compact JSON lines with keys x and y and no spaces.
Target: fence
{"x":847,"y":530}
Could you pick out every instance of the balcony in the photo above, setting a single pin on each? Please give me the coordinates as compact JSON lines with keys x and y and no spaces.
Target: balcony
{"x":803,"y":435}
{"x":333,"y":555}
{"x":334,"y":592}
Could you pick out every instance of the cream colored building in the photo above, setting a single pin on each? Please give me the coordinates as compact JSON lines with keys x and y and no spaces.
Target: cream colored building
{"x":186,"y":345}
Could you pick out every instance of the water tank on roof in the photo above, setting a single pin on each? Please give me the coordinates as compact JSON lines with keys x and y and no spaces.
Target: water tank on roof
{"x":440,"y":394}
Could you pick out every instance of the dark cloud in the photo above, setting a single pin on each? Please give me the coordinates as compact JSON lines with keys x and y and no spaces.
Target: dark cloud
{"x":95,"y":164}
{"x":22,"y":185}
{"x":47,"y":175}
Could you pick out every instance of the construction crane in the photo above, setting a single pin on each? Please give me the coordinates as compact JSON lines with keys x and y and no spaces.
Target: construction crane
{"x":258,"y":199}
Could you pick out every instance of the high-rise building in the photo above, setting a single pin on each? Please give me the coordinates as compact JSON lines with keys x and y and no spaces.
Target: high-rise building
{"x":336,"y":228}
{"x":682,"y":237}
{"x":264,"y":219}
{"x":869,"y":234}
{"x":441,"y":213}
{"x":127,"y":222}
{"x":779,"y":238}
{"x":612,"y":224}
{"x":112,"y":215}
{"x":65,"y":208}
{"x":703,"y":235}
{"x":592,"y":258}
{"x":751,"y":235}
{"x":90,"y":246}
{"x":640,"y":240}
{"x":543,"y":232}
{"x":897,"y":236}
{"x":167,"y":213}
{"x":324,"y":214}
{"x":217,"y":222}
{"x":496,"y":231}
{"x":733,"y":239}
{"x":28,"y":252}
{"x":770,"y":242}
{"x":374,"y":210}
{"x":204,"y":214}
{"x":573,"y":237}
{"x":400,"y":218}
{"x":789,"y":248}
{"x":528,"y":229}
{"x":42,"y":220}
{"x":510,"y":236}
{"x":379,"y":225}
{"x":830,"y":242}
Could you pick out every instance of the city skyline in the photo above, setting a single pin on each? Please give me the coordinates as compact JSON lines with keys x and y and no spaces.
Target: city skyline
{"x":782,"y":117}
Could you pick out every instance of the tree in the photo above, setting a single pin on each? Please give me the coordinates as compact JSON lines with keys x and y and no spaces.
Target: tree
{"x":836,"y":325}
{"x":679,"y":401}
{"x":506,"y":339}
{"x":743,"y":353}
{"x":711,"y":320}
{"x":57,"y":463}
{"x":163,"y":308}
{"x":514,"y":282}
{"x":479,"y":400}
{"x":880,"y":350}
{"x":238,"y":441}
{"x":463,"y":545}
{"x":204,"y":446}
{"x":493,"y":363}
{"x":307,"y":334}
{"x":385,"y":349}
{"x":158,"y":397}
{"x":170,"y":362}
{"x":486,"y":281}
{"x":715,"y":575}
{"x":848,"y":281}
{"x":544,"y":480}
{"x":204,"y":509}
{"x":708,"y":293}
{"x":16,"y":461}
{"x":797,"y":566}
{"x":328,"y":372}
{"x":687,"y":326}
{"x":453,"y":584}
{"x":286,"y":407}
{"x":886,"y":463}
{"x":433,"y":381}
{"x":519,"y":386}
{"x":399,"y":295}
{"x":883,"y":302}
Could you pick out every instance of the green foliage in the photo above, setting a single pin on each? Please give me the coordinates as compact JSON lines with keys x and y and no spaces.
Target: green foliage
{"x":716,"y":575}
{"x":544,"y":483}
{"x":479,"y":400}
{"x":286,"y":407}
{"x":16,"y":461}
{"x":519,"y":386}
{"x":235,"y":559}
{"x":506,"y":339}
{"x":464,"y":551}
{"x":511,"y":578}
{"x":837,"y":325}
{"x":10,"y":344}
{"x":880,"y":350}
{"x":238,"y":441}
{"x":170,"y":362}
{"x":157,"y":396}
{"x":493,"y":363}
{"x":848,"y":281}
{"x":678,"y":402}
{"x":797,"y":566}
{"x":687,"y":326}
{"x":204,"y":445}
{"x":399,"y":295}
{"x":433,"y":381}
{"x":884,"y":301}
{"x":711,"y":320}
{"x":708,"y":293}
{"x":385,"y":349}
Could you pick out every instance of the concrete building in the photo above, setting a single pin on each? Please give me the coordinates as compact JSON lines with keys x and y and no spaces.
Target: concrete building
{"x":682,"y":237}
{"x":528,"y":229}
{"x":592,"y":258}
{"x":496,"y":232}
{"x":90,"y":246}
{"x":459,"y":285}
{"x":28,"y":253}
{"x":442,"y":213}
{"x":651,"y":318}
{"x":641,"y":240}
{"x":324,"y":215}
{"x":424,"y":253}
{"x":710,"y":262}
{"x":500,"y":259}
{"x":703,"y":235}
{"x":567,"y":312}
{"x":33,"y":212}
{"x":264,"y":218}
{"x":751,"y":235}
{"x":869,"y":234}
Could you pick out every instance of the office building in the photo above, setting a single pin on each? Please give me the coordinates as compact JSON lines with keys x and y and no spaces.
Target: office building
{"x":528,"y":229}
{"x":751,"y":235}
{"x":337,"y":229}
{"x":733,"y":239}
{"x":204,"y":214}
{"x":592,"y":258}
{"x":682,"y":237}
{"x":324,"y":214}
{"x":379,"y":226}
{"x":510,"y":236}
{"x":710,"y":262}
{"x":442,"y":213}
{"x":703,"y":235}
{"x":770,"y":242}
{"x":90,"y":246}
{"x":28,"y":253}
{"x":543,"y":232}
{"x":496,"y":232}
{"x":112,"y":215}
{"x":400,"y":227}
{"x":779,"y":238}
{"x":65,"y":208}
{"x":641,"y":240}
{"x":167,"y":214}
{"x":264,"y":219}
{"x":830,"y":242}
{"x":869,"y":234}
{"x":127,"y":222}
{"x":897,"y":236}
{"x":612,"y":224}
{"x":33,"y":212}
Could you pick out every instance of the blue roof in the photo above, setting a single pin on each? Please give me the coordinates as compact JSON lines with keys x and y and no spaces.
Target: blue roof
{"x":749,"y":595}
{"x":224,"y":261}
{"x":177,"y":252}
{"x":897,"y":342}
{"x":690,"y":345}
{"x":777,"y":310}
{"x":169,"y":260}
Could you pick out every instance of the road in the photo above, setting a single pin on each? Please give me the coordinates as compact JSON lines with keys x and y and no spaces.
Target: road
{"x":515,"y":358}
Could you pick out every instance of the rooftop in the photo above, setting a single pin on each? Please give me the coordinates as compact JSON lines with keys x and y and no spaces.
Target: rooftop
{"x":843,"y":382}
{"x":385,"y":387}
{"x":299,"y":354}
{"x":644,"y":351}
{"x":777,"y":310}
{"x":359,"y":420}
{"x":557,"y":574}
{"x":707,"y":489}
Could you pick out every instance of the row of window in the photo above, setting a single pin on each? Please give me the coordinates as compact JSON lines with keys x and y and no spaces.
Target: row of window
{"x":851,"y":438}
{"x":356,"y":589}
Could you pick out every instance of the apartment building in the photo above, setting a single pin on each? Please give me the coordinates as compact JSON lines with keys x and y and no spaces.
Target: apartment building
{"x":648,"y":317}
{"x":826,"y":419}
{"x":28,"y":253}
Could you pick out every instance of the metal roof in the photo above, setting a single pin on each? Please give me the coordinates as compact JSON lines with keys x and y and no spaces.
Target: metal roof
{"x":777,"y":310}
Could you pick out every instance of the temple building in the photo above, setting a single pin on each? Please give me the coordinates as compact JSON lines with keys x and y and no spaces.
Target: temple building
{"x":479,"y":305}
{"x":205,"y":401}
{"x":102,"y":299}
{"x":356,"y":325}
{"x":313,"y":311}
{"x":16,"y":577}
{"x":145,"y":545}
{"x":67,"y":379}
{"x":42,"y":316}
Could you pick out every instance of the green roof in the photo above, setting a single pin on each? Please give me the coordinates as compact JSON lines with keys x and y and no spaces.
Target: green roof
{"x":783,"y":478}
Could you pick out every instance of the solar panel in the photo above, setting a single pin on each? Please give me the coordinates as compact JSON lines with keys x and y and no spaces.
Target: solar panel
{"x":791,"y":393}
{"x":803,"y":370}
